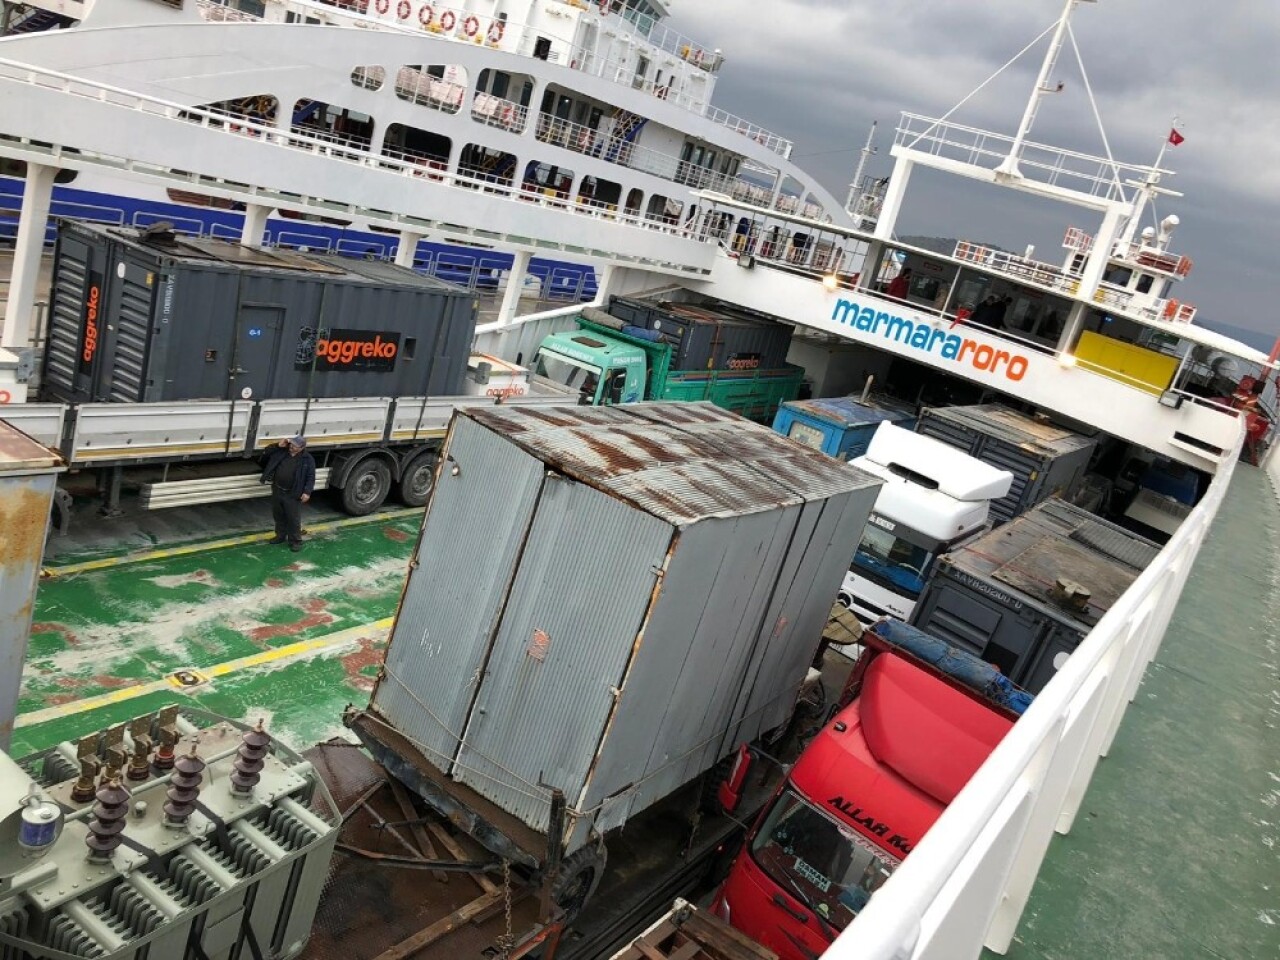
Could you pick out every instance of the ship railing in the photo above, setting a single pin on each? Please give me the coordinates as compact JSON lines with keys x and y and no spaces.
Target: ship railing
{"x":1080,"y":172}
{"x":602,"y":144}
{"x":499,"y":112}
{"x":333,"y":146}
{"x":578,"y":57}
{"x":1023,"y":268}
{"x":967,"y":882}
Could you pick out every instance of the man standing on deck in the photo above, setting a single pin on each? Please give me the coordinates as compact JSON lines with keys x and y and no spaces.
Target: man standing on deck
{"x":291,"y":471}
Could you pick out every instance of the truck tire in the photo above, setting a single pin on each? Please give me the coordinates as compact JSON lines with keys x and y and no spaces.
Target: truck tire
{"x":417,"y":479}
{"x":367,"y":487}
{"x":576,"y":883}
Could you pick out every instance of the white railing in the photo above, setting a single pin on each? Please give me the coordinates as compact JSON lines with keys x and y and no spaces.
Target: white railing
{"x":1093,"y":176}
{"x":334,"y":148}
{"x":965,"y":885}
{"x":501,"y":37}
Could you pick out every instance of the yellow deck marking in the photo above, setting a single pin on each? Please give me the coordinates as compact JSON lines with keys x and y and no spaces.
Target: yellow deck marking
{"x":167,"y":684}
{"x":169,"y":552}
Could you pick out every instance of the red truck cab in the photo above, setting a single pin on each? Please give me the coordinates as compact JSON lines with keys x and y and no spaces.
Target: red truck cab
{"x":859,"y":798}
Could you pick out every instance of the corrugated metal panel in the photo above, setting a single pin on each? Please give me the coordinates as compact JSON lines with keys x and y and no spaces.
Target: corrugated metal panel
{"x":680,"y":691}
{"x":585,"y":581}
{"x":1019,"y":462}
{"x":680,"y":462}
{"x":451,"y":603}
{"x":1007,"y":424}
{"x":27,"y":477}
{"x":850,"y":411}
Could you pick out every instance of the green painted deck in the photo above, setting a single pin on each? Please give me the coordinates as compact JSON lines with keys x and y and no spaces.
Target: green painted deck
{"x":262,"y":632}
{"x":1176,"y":850}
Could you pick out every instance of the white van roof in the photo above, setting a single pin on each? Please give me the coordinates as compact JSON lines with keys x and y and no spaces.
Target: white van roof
{"x":957,"y":474}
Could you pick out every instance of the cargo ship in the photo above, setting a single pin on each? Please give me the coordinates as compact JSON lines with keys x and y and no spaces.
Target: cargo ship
{"x":250,"y":633}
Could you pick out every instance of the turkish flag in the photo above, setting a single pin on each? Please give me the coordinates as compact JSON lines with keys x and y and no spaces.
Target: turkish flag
{"x":1175,"y":137}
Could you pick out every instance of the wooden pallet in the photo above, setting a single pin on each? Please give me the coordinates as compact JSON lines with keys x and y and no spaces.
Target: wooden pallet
{"x":687,"y":933}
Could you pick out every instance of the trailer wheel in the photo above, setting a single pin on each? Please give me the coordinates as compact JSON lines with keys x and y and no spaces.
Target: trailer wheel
{"x":579,"y":875}
{"x":417,"y":480}
{"x":366,"y":487}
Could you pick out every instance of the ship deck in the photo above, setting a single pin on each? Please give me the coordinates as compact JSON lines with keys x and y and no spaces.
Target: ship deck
{"x":1174,"y":854}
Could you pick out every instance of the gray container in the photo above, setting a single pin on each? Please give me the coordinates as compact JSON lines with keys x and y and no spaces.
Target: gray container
{"x":608,"y":600}
{"x":710,"y":335}
{"x":28,"y":473}
{"x":997,"y":597}
{"x":1046,"y":460}
{"x":157,"y":319}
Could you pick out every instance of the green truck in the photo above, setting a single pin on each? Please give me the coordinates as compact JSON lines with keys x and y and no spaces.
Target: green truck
{"x":609,"y":361}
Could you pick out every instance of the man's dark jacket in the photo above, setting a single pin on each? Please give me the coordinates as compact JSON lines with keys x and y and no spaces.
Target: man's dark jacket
{"x":304,"y":478}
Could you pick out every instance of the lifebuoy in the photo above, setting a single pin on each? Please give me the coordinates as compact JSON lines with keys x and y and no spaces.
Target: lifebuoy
{"x":426,"y":14}
{"x":1170,"y":309}
{"x":383,"y":6}
{"x":404,"y":10}
{"x":447,"y":20}
{"x":471,"y":25}
{"x":5,"y":396}
{"x":496,"y":29}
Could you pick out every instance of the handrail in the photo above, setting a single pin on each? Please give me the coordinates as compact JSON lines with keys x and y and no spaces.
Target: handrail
{"x":991,"y":840}
{"x":579,"y":57}
{"x":335,"y":149}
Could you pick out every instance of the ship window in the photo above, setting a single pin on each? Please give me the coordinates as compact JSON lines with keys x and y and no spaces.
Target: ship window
{"x":635,"y":199}
{"x":436,"y":86}
{"x":1144,"y":283}
{"x":369,"y":78}
{"x":603,"y":194}
{"x":481,"y":163}
{"x":419,"y":147}
{"x":547,"y":180}
{"x":261,"y":108}
{"x":333,"y":122}
{"x":1120,"y":276}
{"x":663,"y":210}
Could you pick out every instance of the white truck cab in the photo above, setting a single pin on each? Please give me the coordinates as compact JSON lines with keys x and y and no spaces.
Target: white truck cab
{"x":934,"y":498}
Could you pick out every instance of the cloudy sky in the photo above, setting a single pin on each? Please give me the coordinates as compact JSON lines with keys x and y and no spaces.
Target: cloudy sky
{"x":819,"y":71}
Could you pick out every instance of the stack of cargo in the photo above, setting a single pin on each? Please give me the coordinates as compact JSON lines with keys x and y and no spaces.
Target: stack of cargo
{"x":1023,"y":596}
{"x":707,"y":337}
{"x":608,"y":601}
{"x":148,"y":316}
{"x":1046,"y":460}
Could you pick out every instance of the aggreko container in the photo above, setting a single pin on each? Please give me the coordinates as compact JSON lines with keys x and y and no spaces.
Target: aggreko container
{"x":1023,"y":596}
{"x":1045,"y":459}
{"x":608,"y":600}
{"x":709,"y":336}
{"x":139,"y":318}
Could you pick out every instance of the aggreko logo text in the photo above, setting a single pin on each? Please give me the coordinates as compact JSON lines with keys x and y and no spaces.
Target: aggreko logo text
{"x":922,"y":336}
{"x":347,"y":351}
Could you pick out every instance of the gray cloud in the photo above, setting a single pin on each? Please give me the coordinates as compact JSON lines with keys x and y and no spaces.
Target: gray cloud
{"x":819,"y":71}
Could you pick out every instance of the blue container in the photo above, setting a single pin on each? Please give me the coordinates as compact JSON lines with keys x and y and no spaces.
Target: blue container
{"x":840,"y":427}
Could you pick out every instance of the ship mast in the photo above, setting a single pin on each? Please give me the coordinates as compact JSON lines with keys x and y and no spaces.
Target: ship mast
{"x":1009,"y":166}
{"x":867,"y":151}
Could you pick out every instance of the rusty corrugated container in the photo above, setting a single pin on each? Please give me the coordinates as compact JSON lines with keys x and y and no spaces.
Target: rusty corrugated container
{"x":608,"y":600}
{"x":28,"y":472}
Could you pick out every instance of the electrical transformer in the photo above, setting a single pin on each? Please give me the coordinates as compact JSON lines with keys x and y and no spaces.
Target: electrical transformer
{"x":175,"y":836}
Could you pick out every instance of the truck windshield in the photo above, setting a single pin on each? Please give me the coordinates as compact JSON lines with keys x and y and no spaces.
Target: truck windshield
{"x":888,"y":557}
{"x":822,"y":863}
{"x":571,"y":373}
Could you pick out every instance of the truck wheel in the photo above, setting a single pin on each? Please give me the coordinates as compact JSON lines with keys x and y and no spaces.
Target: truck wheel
{"x":417,"y":480}
{"x":366,"y":487}
{"x":579,"y":875}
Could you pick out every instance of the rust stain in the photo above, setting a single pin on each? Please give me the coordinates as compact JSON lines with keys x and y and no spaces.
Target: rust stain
{"x":68,"y":683}
{"x":391,"y":533}
{"x":42,"y":626}
{"x":112,"y":683}
{"x":58,"y":699}
{"x":316,"y":616}
{"x":370,"y":654}
{"x":275,"y":582}
{"x":24,"y":517}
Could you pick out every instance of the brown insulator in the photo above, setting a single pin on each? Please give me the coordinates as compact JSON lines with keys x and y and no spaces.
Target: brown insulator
{"x":250,"y":759}
{"x":184,"y":787}
{"x":108,"y":819}
{"x":163,"y":760}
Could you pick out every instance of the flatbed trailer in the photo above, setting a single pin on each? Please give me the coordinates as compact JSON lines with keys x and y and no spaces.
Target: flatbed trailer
{"x":407,"y":883}
{"x":687,"y":933}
